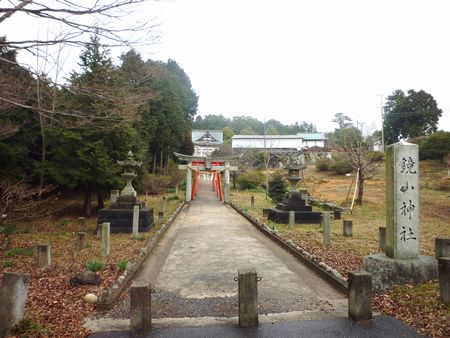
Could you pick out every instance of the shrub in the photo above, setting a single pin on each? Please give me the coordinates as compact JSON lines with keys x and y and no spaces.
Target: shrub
{"x":95,"y":266}
{"x":173,"y":198}
{"x":341,"y":167}
{"x":156,"y":184}
{"x":375,"y":156}
{"x":64,"y":222}
{"x":277,"y":187}
{"x":251,"y":179}
{"x":436,"y":146}
{"x":122,"y":265}
{"x":138,"y":238}
{"x":323,"y":164}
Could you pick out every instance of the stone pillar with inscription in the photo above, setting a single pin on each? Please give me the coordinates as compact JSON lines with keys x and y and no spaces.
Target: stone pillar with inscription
{"x":402,"y":263}
{"x":402,"y":201}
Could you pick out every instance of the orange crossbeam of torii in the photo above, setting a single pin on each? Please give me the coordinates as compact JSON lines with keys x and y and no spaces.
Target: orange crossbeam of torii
{"x":210,"y":166}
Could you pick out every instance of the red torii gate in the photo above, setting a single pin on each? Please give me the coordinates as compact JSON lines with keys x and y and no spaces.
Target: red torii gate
{"x":201,"y":165}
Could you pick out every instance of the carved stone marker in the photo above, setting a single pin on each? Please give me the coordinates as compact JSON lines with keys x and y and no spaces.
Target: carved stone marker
{"x":160,"y":217}
{"x":347,"y":228}
{"x":44,"y":255}
{"x":105,"y":239}
{"x":135,"y":220}
{"x":248,"y":297}
{"x":326,"y":227}
{"x":402,"y":263}
{"x":382,"y":239}
{"x":442,"y":247}
{"x":81,"y":240}
{"x":402,"y":201}
{"x":291,"y":219}
{"x":13,"y":296}
{"x":114,"y":196}
{"x":252,"y":202}
{"x":444,"y":278}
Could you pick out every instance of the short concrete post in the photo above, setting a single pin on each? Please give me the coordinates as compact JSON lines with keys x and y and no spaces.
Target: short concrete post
{"x":81,"y":223}
{"x":114,"y":196}
{"x":176,"y":189}
{"x":252,"y":202}
{"x":444,"y":278}
{"x":337,"y":214}
{"x":442,"y":247}
{"x":44,"y":255}
{"x":105,"y":238}
{"x":248,"y":297}
{"x":81,"y":240}
{"x":135,"y":220}
{"x":160,"y":217}
{"x":265,"y":212}
{"x":382,"y":239}
{"x":326,"y":226}
{"x":140,"y":309}
{"x":291,"y":219}
{"x":13,"y":296}
{"x":359,"y":295}
{"x":347,"y":226}
{"x":164,"y":208}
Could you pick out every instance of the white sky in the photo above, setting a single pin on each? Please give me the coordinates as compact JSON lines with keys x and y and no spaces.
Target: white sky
{"x":303,"y":60}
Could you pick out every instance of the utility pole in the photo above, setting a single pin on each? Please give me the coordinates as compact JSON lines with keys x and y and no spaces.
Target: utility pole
{"x":382,"y":122}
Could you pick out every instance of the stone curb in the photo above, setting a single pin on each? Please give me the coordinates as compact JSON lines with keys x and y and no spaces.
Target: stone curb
{"x":110,"y":296}
{"x":328,"y":273}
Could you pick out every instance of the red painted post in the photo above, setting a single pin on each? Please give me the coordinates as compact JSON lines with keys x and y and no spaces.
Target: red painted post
{"x":213,"y":182}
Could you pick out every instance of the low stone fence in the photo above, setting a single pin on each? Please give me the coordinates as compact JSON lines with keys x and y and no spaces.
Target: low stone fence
{"x":109,"y":296}
{"x":328,"y":273}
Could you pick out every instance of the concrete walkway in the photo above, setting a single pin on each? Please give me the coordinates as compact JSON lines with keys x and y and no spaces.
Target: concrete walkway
{"x":192,"y":271}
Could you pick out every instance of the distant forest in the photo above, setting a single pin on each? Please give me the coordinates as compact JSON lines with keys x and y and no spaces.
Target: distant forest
{"x":246,"y":125}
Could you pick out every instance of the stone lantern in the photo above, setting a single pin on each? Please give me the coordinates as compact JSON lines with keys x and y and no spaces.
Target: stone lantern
{"x":129,"y":165}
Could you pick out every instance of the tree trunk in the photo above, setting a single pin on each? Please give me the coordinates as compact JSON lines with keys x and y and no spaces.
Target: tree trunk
{"x":161,"y":160}
{"x":100,"y":201}
{"x":154,"y":163}
{"x":359,"y":199}
{"x":87,"y":203}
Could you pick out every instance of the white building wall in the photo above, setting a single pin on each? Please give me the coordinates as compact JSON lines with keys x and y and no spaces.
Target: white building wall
{"x":269,"y":143}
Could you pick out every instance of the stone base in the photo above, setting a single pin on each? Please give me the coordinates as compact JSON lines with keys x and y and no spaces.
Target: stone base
{"x":301,"y":217}
{"x":388,"y":272}
{"x":121,"y":220}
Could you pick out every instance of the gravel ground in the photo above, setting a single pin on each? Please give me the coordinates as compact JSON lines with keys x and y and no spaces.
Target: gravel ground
{"x":172,"y":305}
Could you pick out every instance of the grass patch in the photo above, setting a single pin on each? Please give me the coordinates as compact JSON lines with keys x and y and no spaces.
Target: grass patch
{"x":9,"y":263}
{"x":122,"y":265}
{"x":20,"y":252}
{"x":95,"y":266}
{"x":29,"y":328}
{"x":138,"y":238}
{"x":8,"y":229}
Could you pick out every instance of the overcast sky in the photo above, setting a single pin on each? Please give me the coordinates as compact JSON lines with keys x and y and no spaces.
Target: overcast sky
{"x":305,"y":60}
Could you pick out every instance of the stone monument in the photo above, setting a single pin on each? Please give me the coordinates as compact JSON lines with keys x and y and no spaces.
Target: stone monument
{"x":294,"y":200}
{"x":402,"y":263}
{"x":120,"y":212}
